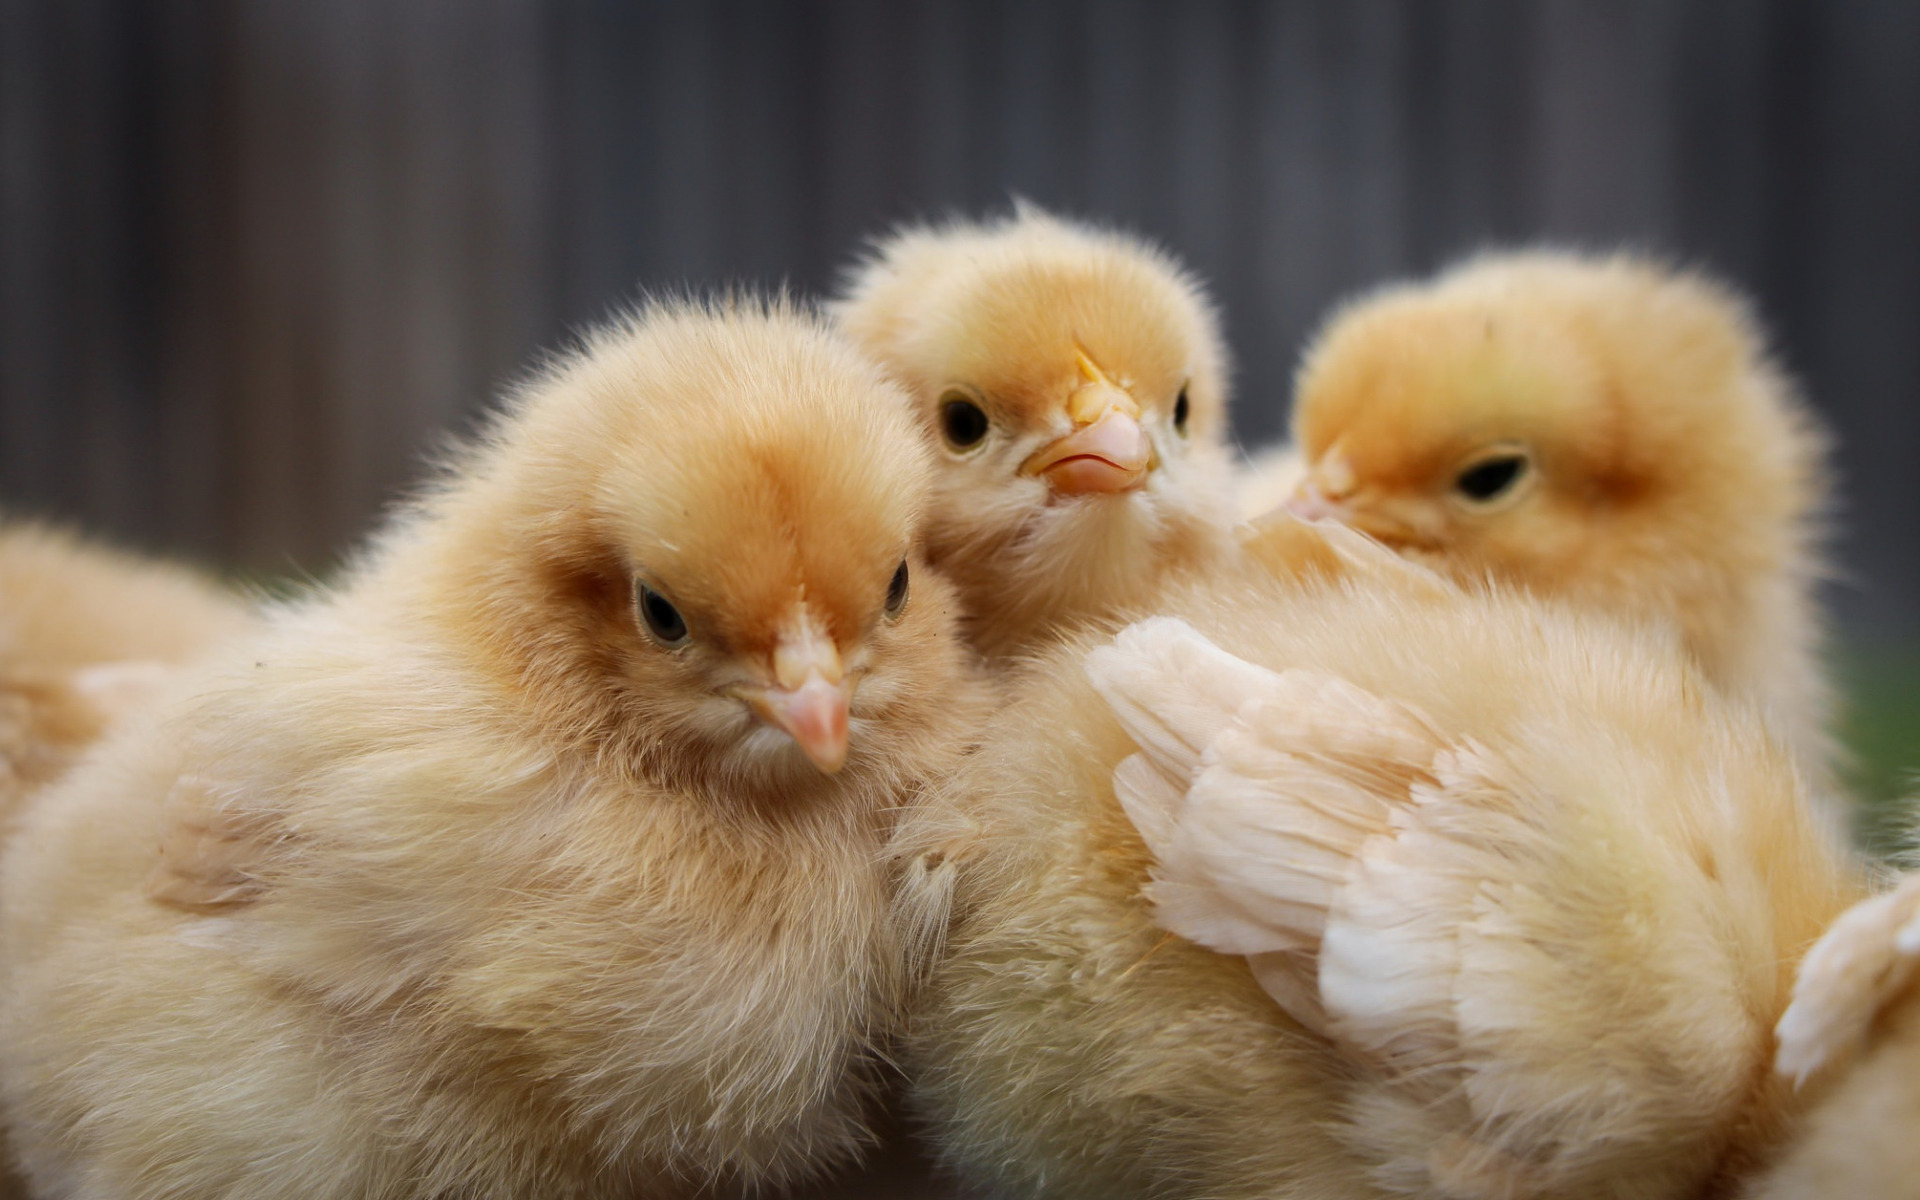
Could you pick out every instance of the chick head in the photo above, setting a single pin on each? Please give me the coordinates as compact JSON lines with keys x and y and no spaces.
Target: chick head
{"x":1597,"y":427}
{"x":1072,"y":382}
{"x":693,"y":546}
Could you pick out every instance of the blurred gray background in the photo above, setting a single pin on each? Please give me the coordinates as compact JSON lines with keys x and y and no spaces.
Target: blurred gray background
{"x":256,"y":254}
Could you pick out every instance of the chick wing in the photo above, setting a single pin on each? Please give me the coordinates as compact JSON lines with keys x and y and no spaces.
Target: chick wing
{"x":1539,"y":976}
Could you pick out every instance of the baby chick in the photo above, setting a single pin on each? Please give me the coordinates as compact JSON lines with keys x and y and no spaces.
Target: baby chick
{"x":1073,"y":383}
{"x":1601,"y":429}
{"x":86,"y":634}
{"x":1447,"y":892}
{"x":543,"y":855}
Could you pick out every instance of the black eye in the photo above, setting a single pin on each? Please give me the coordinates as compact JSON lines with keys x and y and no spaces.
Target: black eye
{"x":662,"y":620}
{"x":1490,"y":479}
{"x":897,"y":591}
{"x":962,"y":422}
{"x":1180,"y":410}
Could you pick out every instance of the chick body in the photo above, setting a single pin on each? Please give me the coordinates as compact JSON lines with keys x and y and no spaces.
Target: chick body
{"x":1578,"y":978}
{"x":472,"y":878}
{"x":1072,"y":382}
{"x":86,"y":634}
{"x":1600,"y":429}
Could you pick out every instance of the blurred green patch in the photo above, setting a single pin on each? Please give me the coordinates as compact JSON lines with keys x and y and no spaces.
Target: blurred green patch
{"x":288,"y":584}
{"x":1881,"y":727}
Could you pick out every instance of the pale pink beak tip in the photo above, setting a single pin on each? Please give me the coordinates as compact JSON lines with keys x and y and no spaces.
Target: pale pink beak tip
{"x":815,"y":716}
{"x":1089,"y":475}
{"x":1111,"y":455}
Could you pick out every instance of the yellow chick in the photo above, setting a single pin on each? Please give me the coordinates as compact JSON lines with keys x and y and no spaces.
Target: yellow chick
{"x":88,"y":633}
{"x":1601,"y":429}
{"x":1360,"y":886}
{"x":543,"y":855}
{"x":1852,"y":1039}
{"x":1072,"y":382}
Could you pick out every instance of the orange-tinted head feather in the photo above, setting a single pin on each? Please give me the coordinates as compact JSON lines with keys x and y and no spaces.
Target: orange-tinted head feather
{"x":1043,"y":325}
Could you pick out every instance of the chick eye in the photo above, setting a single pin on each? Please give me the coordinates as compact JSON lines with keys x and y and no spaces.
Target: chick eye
{"x":897,"y":590}
{"x":962,"y":422}
{"x":1180,"y":411}
{"x":1491,"y":478}
{"x":662,"y":619}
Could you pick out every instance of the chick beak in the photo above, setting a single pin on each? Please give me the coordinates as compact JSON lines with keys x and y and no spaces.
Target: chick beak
{"x":1107,"y":452}
{"x":1324,"y":493}
{"x":810,"y":696}
{"x":1309,"y":503}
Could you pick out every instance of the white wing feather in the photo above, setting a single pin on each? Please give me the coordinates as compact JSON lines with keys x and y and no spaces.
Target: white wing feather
{"x":1865,"y":960}
{"x":1254,"y":789}
{"x":1428,"y":903}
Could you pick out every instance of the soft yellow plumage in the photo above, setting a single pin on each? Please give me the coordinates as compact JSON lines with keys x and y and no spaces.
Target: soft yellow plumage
{"x":1503,"y":901}
{"x":88,"y":633}
{"x":1597,"y":428}
{"x":513,"y":866}
{"x":1072,"y":382}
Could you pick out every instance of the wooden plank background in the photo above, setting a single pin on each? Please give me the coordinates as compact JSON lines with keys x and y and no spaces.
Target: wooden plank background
{"x":255,"y":254}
